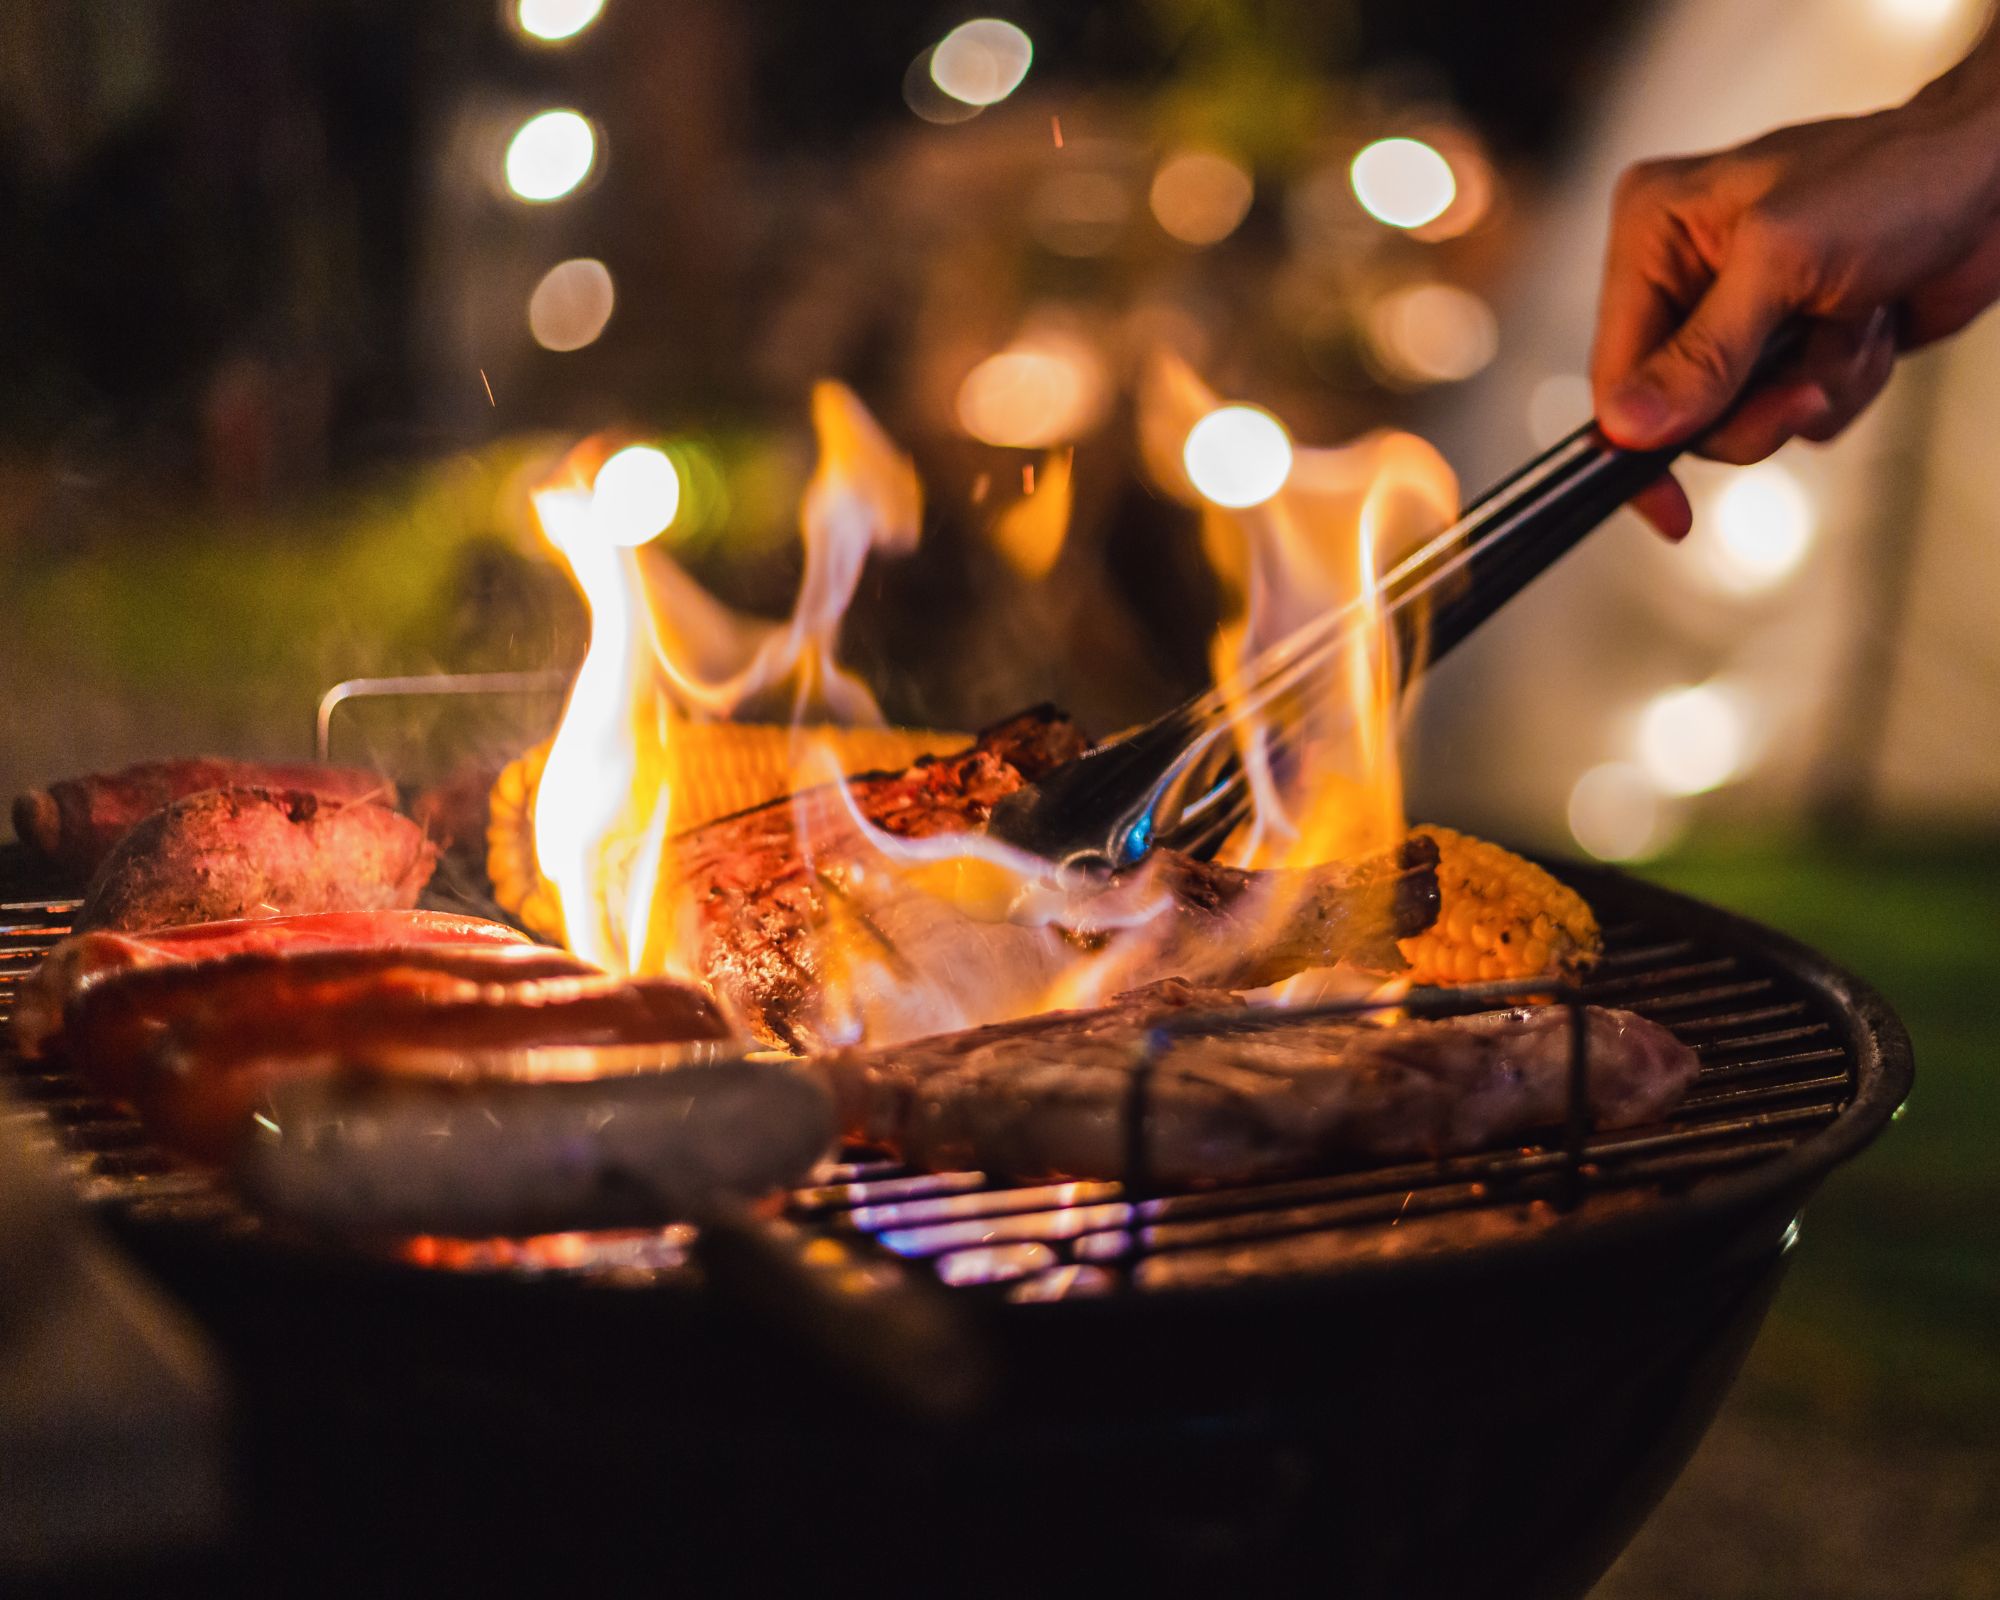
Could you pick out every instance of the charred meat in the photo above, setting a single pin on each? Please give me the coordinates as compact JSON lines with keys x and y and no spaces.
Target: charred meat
{"x":250,"y":852}
{"x":914,"y":963}
{"x":74,"y":823}
{"x":1247,"y":1094}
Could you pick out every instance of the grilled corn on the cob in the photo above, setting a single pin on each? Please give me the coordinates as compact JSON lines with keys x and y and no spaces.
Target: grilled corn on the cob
{"x":717,"y":768}
{"x":1499,"y":917}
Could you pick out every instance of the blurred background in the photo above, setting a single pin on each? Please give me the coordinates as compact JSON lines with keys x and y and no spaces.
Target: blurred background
{"x":300,"y":299}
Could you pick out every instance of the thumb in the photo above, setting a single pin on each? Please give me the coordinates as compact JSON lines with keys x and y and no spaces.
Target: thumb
{"x":1693,"y":378}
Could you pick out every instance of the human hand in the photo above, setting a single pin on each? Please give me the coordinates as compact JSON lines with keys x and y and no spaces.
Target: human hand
{"x":1883,"y":231}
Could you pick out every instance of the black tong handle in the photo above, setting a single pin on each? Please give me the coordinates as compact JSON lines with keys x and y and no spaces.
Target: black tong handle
{"x":1528,"y":521}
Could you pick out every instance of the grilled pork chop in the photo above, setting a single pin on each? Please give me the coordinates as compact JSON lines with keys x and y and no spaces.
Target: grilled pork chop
{"x":775,"y":917}
{"x":1248,"y":1095}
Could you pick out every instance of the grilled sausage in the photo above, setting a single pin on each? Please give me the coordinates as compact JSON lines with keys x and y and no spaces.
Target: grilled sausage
{"x":372,"y":1147}
{"x":247,"y":852}
{"x":87,"y":958}
{"x":74,"y":823}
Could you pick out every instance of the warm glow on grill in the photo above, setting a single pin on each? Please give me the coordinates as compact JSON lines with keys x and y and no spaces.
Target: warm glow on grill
{"x":1403,"y":182}
{"x":550,"y":155}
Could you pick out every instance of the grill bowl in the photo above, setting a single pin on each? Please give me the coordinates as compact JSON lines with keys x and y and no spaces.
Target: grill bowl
{"x":1400,"y":1382}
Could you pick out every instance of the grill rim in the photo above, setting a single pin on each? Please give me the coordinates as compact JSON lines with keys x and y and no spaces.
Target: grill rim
{"x":1863,"y":1021}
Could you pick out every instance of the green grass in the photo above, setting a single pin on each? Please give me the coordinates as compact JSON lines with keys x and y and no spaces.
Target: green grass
{"x":1890,"y":1318}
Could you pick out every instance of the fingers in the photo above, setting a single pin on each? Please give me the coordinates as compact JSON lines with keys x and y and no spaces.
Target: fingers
{"x":1843,"y":367}
{"x":1665,"y":506}
{"x":1648,"y":283}
{"x":1692,"y":378}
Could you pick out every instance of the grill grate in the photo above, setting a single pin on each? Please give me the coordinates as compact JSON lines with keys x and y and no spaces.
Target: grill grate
{"x":1775,"y":1068}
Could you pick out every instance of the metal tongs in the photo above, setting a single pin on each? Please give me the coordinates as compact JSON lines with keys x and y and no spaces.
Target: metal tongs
{"x":1176,"y":781}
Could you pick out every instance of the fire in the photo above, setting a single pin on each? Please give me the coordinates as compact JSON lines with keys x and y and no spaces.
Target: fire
{"x":1306,"y":540}
{"x":1323,"y":766}
{"x":664,"y":652}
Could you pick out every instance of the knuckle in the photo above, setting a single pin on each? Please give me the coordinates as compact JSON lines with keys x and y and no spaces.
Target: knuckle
{"x":1702,"y":355}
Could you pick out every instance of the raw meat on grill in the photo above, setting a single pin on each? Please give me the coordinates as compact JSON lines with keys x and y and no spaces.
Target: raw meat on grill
{"x":383,"y":1145}
{"x":74,"y":823}
{"x":247,"y":852}
{"x":1248,"y":1094}
{"x":913,"y":963}
{"x":85,"y":958}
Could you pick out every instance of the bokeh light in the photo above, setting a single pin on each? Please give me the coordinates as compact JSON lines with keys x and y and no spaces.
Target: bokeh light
{"x":1693,"y":739}
{"x":553,"y":21}
{"x":1238,"y":456}
{"x":550,"y":155}
{"x":1030,"y":396}
{"x":1557,"y":406}
{"x":1403,"y":182}
{"x":1079,"y":213}
{"x":1917,"y":18}
{"x":1432,"y":333}
{"x":1758,"y":529}
{"x":1616,"y":814}
{"x":1199,"y":196}
{"x":571,"y":305}
{"x":635,"y":495}
{"x":982,"y":62}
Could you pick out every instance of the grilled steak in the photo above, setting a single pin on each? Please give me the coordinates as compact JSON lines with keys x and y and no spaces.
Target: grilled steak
{"x":75,"y":823}
{"x":1248,"y":1095}
{"x":815,"y":945}
{"x":257,"y":852}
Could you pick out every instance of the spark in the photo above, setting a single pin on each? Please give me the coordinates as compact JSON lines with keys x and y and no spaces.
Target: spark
{"x":1055,"y":127}
{"x":1028,"y":477}
{"x":980,"y":486}
{"x":489,"y":388}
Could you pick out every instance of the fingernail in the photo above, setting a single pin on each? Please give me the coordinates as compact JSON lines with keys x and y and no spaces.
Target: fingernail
{"x":1637,"y":414}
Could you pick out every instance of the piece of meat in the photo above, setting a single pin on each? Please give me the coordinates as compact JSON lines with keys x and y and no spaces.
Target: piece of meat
{"x":257,"y":852}
{"x":83,"y":959}
{"x":377,"y":1146}
{"x":193,"y":1047}
{"x":75,"y":822}
{"x":780,"y":925}
{"x":1251,"y":1094}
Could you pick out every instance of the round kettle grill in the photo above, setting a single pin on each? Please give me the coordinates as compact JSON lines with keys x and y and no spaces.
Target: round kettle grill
{"x":1471,"y":1377}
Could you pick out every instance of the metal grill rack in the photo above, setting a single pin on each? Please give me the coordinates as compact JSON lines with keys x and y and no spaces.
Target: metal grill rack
{"x":1778,"y":1065}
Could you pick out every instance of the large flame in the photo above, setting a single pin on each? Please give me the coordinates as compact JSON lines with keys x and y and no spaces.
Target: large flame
{"x":662,"y":651}
{"x":1323,"y":763}
{"x":1322,"y":760}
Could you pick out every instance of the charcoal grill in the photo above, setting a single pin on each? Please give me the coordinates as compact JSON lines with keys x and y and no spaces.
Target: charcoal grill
{"x":1467,"y":1377}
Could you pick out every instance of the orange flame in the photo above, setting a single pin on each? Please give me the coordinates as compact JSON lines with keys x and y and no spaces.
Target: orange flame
{"x":1323,"y":765}
{"x":662,"y":650}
